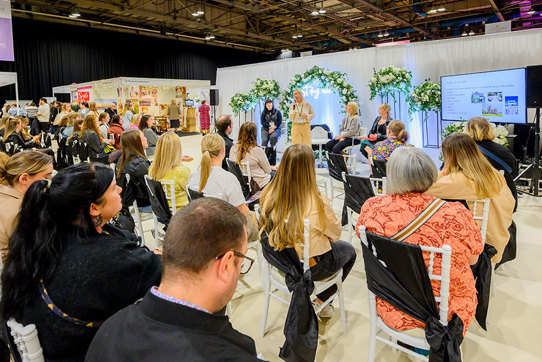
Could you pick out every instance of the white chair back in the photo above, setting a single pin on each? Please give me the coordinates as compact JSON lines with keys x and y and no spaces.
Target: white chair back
{"x":169,"y":190}
{"x":245,"y":169}
{"x":379,"y":185}
{"x":481,"y":216}
{"x":319,"y":133}
{"x":27,"y":341}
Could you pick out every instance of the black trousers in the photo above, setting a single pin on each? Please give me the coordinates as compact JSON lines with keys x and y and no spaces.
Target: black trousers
{"x":337,"y":146}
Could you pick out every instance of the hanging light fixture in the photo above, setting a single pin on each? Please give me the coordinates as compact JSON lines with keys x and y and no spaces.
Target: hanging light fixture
{"x":531,"y":11}
{"x":386,"y":33}
{"x":380,"y":34}
{"x":75,"y":14}
{"x":322,"y":10}
{"x":464,"y":33}
{"x":432,"y":11}
{"x":471,"y":32}
{"x":315,"y":13}
{"x":441,"y":9}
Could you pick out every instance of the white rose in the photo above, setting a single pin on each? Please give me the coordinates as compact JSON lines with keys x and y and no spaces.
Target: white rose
{"x":344,"y":98}
{"x":344,"y":91}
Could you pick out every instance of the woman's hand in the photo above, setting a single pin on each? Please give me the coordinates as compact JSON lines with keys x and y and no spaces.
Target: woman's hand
{"x":304,"y":115}
{"x":337,"y":138}
{"x":274,"y":168}
{"x":111,"y":142}
{"x":36,"y":138}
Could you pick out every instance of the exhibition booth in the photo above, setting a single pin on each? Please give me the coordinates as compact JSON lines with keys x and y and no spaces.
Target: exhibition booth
{"x":146,"y":95}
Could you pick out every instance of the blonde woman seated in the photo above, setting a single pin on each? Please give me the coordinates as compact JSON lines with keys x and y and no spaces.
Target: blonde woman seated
{"x":467,"y":175}
{"x":213,"y":181}
{"x":168,"y":166}
{"x":410,"y":173}
{"x":294,"y":196}
{"x":397,"y":137}
{"x":348,"y":131}
{"x":247,"y":150}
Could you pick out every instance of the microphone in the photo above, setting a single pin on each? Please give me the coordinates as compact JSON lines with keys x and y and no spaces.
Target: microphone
{"x":294,"y":105}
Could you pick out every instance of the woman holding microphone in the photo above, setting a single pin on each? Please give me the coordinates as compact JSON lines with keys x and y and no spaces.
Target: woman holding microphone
{"x":300,"y":114}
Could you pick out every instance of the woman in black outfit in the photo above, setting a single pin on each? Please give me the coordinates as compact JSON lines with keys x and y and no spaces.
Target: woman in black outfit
{"x":90,"y":134}
{"x":498,"y":155}
{"x":271,"y":120}
{"x":72,"y":270}
{"x":378,"y":129}
{"x":14,"y":141}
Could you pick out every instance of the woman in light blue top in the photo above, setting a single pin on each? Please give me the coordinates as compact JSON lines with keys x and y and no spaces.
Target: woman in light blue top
{"x":128,"y":114}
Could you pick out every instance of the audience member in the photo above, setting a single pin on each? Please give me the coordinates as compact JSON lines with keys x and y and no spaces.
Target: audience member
{"x":77,"y":126}
{"x":378,"y":130}
{"x":152,"y":138}
{"x":128,"y":114}
{"x":247,"y":150}
{"x":13,"y":110}
{"x":91,"y":135}
{"x":292,"y":197}
{"x":83,"y":109}
{"x":410,"y":173}
{"x":223,"y":128}
{"x":134,"y":162}
{"x":111,"y":110}
{"x":467,"y":175}
{"x":271,"y":120}
{"x":182,"y":319}
{"x":397,"y":137}
{"x":68,"y":129}
{"x":103,"y":121}
{"x":167,"y":166}
{"x":17,"y":173}
{"x":134,"y":122}
{"x":72,"y":270}
{"x":65,"y":110}
{"x":498,"y":155}
{"x":348,"y":132}
{"x":93,"y":109}
{"x":13,"y":139}
{"x":116,"y":129}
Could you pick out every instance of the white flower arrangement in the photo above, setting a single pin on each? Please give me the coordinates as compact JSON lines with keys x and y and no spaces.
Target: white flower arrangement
{"x":242,"y":102}
{"x":500,"y":131}
{"x":425,"y":98}
{"x":388,"y":81}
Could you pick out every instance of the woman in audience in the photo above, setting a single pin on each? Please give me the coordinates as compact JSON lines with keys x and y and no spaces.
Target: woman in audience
{"x":91,"y":135}
{"x":128,"y":114}
{"x":72,"y":270}
{"x":3,"y":123}
{"x":27,"y":137}
{"x":17,"y":173}
{"x":410,"y":173}
{"x":348,"y":132}
{"x":134,"y":122}
{"x":292,"y":197}
{"x":68,"y":129}
{"x":13,"y":139}
{"x":247,"y":150}
{"x":467,"y":175}
{"x":92,"y":109}
{"x":498,"y":155}
{"x":213,"y":181}
{"x":116,"y":130}
{"x":168,"y":166}
{"x":103,"y":120}
{"x":77,"y":126}
{"x":152,"y":138}
{"x":65,"y":110}
{"x":397,"y":137}
{"x":134,"y":162}
{"x":378,"y":130}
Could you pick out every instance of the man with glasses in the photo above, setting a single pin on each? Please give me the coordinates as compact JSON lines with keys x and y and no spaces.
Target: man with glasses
{"x":183,"y":318}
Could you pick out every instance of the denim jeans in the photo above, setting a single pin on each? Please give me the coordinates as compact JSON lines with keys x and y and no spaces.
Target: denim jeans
{"x":342,"y":255}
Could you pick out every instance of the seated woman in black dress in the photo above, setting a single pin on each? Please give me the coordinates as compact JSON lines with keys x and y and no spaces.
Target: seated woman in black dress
{"x":378,"y":129}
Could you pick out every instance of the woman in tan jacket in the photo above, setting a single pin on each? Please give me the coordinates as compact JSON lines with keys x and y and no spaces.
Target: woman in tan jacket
{"x":301,"y":114}
{"x":174,"y":115}
{"x":293,"y":196}
{"x":17,"y":173}
{"x":468,"y":175}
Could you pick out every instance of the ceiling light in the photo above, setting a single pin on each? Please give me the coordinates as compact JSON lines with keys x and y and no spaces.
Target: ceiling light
{"x":315,"y":12}
{"x":322,"y":11}
{"x":464,"y":33}
{"x":531,"y":12}
{"x":386,"y":33}
{"x":432,"y":11}
{"x":471,"y":32}
{"x":300,"y":35}
{"x":294,"y":36}
{"x":441,"y":9}
{"x":207,"y":37}
{"x":380,"y":35}
{"x":74,"y":15}
{"x":200,"y":12}
{"x":195,"y":14}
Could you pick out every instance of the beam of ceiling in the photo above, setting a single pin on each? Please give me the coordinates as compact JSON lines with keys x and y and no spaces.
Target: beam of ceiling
{"x":496,"y":10}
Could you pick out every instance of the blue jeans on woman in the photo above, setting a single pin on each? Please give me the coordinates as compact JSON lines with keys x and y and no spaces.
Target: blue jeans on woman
{"x":342,"y":255}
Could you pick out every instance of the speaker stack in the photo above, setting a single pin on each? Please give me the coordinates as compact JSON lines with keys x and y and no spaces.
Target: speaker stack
{"x":534,"y":86}
{"x":214,"y":97}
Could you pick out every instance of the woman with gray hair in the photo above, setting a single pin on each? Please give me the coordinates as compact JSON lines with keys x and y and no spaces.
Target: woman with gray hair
{"x":410,"y":173}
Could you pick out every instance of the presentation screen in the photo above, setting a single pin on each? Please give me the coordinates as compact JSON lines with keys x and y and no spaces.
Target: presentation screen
{"x":498,"y":96}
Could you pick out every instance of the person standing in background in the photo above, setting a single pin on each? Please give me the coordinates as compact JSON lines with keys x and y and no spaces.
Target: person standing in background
{"x":43,"y":115}
{"x":31,"y":112}
{"x":174,"y":114}
{"x":300,"y":114}
{"x":128,"y":114}
{"x":111,"y":110}
{"x":204,"y":117}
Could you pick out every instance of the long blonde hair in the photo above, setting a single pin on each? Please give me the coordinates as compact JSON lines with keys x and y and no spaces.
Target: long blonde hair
{"x":248,"y":139}
{"x":30,"y":162}
{"x":290,"y":196}
{"x":211,"y":146}
{"x":11,"y":126}
{"x":462,"y":155}
{"x":135,"y":119}
{"x":479,"y":129}
{"x":168,"y":155}
{"x":354,"y":109}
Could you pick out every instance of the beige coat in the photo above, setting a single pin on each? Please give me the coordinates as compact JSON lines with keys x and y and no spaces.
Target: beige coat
{"x":10,"y":204}
{"x":260,"y":169}
{"x":297,"y":109}
{"x":173,"y":112}
{"x":457,"y":187}
{"x":320,"y":235}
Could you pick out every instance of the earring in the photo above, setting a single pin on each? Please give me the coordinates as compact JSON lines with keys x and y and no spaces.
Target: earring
{"x":98,"y":220}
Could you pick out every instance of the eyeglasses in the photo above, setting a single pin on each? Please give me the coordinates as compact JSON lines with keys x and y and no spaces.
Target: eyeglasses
{"x":245,"y":266}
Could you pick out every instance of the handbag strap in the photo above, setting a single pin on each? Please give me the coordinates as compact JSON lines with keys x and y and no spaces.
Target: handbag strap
{"x":495,"y":158}
{"x":415,"y":224}
{"x":52,"y":306}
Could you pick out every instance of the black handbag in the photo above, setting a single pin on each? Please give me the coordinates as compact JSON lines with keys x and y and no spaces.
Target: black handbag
{"x":124,"y":219}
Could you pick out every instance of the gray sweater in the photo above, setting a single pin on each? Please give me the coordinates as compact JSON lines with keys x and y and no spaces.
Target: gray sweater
{"x":350,"y":127}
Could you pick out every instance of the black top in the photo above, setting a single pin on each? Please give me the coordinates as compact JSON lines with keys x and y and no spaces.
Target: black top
{"x":380,"y":130}
{"x":228,"y":145}
{"x":95,"y":277}
{"x":15,"y":143}
{"x":159,"y":330}
{"x":273,"y":116}
{"x":508,"y":157}
{"x":137,"y":168}
{"x":111,"y":112}
{"x":95,"y":148}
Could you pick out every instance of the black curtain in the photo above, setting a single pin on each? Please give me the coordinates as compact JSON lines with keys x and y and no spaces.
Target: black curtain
{"x":49,"y":55}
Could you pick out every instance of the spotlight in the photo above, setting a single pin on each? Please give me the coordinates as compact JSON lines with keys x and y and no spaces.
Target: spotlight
{"x":195,"y":14}
{"x":315,"y":13}
{"x":300,"y":35}
{"x":294,"y":36}
{"x":464,"y":33}
{"x":207,"y":37}
{"x":211,"y":36}
{"x":75,"y":15}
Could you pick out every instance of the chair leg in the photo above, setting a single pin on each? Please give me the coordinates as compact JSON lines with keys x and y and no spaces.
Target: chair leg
{"x":350,"y":226}
{"x":265,"y":312}
{"x":331,"y":190}
{"x":393,"y":348}
{"x":372,"y":334}
{"x":343,"y":311}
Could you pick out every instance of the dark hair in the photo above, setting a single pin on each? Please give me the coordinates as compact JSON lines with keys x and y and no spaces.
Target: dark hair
{"x":268,"y":101}
{"x":131,"y":146}
{"x":52,"y":211}
{"x":223,"y":123}
{"x":102,"y":116}
{"x":143,"y":122}
{"x":199,"y":232}
{"x":116,"y":119}
{"x":43,"y":99}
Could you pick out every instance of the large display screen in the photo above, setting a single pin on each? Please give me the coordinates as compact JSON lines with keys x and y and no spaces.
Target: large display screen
{"x":498,"y":96}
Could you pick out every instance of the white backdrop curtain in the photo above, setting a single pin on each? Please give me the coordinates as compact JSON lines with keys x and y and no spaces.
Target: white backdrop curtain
{"x":425,"y":59}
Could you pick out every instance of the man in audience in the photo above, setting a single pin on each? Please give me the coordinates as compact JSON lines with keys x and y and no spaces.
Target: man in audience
{"x":43,"y":115}
{"x":223,"y":127}
{"x":183,"y":319}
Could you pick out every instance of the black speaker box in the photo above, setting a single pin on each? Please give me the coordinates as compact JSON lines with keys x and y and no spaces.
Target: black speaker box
{"x":214,"y":97}
{"x":534,"y":86}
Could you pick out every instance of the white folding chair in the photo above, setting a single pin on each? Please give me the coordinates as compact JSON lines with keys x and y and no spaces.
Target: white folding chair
{"x":362,"y":133}
{"x":480,"y":217}
{"x":139,"y":217}
{"x":27,"y":341}
{"x":273,"y":282}
{"x":377,"y":324}
{"x":169,"y":190}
